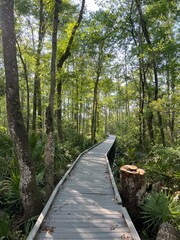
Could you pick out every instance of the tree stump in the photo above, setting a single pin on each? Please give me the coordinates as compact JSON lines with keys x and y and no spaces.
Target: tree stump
{"x":132,"y":188}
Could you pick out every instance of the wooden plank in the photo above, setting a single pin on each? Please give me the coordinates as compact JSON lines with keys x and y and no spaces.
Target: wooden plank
{"x":82,"y":238}
{"x":81,"y":207}
{"x":82,"y":215}
{"x":102,"y":224}
{"x":95,"y":198}
{"x":86,"y":221}
{"x":98,"y":235}
{"x":85,"y":230}
{"x":71,"y":211}
{"x":90,"y":189}
{"x":78,"y":206}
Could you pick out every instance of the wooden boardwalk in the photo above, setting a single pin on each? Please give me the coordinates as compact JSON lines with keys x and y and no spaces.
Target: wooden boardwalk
{"x":86,"y":204}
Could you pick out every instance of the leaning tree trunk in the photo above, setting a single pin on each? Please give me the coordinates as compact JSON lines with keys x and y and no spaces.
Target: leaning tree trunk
{"x":28,"y":187}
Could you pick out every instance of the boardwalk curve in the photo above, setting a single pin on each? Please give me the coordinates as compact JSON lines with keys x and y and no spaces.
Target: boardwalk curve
{"x":86,"y":203}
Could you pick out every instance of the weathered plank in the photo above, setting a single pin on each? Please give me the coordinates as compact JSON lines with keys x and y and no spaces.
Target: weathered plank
{"x":84,"y":235}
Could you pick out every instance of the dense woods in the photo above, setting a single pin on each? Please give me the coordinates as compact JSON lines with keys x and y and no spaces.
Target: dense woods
{"x":68,"y":77}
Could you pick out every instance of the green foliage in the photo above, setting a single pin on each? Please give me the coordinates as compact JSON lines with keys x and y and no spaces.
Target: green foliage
{"x":129,"y":142}
{"x":10,"y":194}
{"x":162,"y":164}
{"x":15,"y":235}
{"x":74,"y":141}
{"x":4,"y":225}
{"x":2,"y":89}
{"x":23,"y":7}
{"x":37,"y":143}
{"x":159,"y":208}
{"x":7,"y":156}
{"x":5,"y":229}
{"x":6,"y":145}
{"x":29,"y":224}
{"x":62,"y":158}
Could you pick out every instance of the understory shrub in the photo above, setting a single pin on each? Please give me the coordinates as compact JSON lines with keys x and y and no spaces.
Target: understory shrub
{"x":158,"y":208}
{"x":162,"y":165}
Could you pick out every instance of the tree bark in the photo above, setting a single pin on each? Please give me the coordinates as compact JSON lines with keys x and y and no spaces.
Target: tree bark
{"x":132,"y":188}
{"x":59,"y":110}
{"x":28,"y":187}
{"x":49,"y":146}
{"x":27,"y":86}
{"x":94,"y":110}
{"x":37,"y":106}
{"x":95,"y":96}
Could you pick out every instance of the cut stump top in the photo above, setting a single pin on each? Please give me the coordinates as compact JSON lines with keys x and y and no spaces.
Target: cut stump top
{"x":132,"y":169}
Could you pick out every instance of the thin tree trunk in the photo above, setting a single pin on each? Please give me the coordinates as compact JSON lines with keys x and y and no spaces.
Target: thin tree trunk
{"x":59,"y":110}
{"x":94,"y":110}
{"x":142,"y":78}
{"x":160,"y":122}
{"x":37,"y":106}
{"x":170,"y":91}
{"x":27,"y":86}
{"x":28,"y":187}
{"x":80,"y":108}
{"x":173,"y":111}
{"x":126,"y":84}
{"x":95,"y":96}
{"x":49,"y":146}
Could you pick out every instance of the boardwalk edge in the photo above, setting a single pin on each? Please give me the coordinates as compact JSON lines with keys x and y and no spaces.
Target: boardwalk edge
{"x":132,"y":229}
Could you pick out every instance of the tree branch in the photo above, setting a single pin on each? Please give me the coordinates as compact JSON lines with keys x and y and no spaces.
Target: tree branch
{"x":67,"y":53}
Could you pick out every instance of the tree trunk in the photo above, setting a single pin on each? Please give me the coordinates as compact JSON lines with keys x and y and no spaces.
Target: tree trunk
{"x":94,"y":111}
{"x":95,"y":96}
{"x":49,"y":146}
{"x":37,"y":106}
{"x":28,"y":187}
{"x":150,"y":118}
{"x":170,"y":91}
{"x":27,"y":86}
{"x":141,"y":103}
{"x":59,"y":110}
{"x":132,"y":188}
